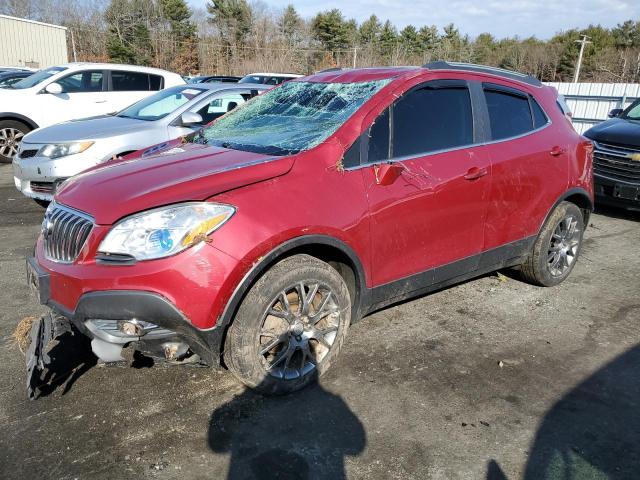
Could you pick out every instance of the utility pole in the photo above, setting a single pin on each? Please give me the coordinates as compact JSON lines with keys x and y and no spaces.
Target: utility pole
{"x":583,"y":41}
{"x":355,"y":56}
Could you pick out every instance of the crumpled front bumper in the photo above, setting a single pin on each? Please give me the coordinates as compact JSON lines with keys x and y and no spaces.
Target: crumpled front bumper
{"x":99,"y":307}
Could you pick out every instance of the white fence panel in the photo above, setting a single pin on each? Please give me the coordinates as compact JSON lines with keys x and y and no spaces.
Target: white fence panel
{"x":591,"y":102}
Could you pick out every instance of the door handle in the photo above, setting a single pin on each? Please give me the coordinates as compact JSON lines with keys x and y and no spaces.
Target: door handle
{"x":100,"y":101}
{"x":556,"y":151}
{"x":475,"y":172}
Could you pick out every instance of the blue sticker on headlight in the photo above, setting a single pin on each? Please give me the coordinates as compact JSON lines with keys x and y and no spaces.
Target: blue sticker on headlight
{"x":166,"y":242}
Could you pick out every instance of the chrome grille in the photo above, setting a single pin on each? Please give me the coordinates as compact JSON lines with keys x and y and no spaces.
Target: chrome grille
{"x":616,"y":162}
{"x":65,"y":232}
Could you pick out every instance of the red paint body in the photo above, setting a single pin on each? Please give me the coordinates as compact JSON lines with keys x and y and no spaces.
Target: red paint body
{"x":430,"y":215}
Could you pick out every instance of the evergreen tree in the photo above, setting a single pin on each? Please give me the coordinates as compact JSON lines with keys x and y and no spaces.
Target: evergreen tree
{"x":332,"y":31}
{"x":410,"y":40}
{"x":128,"y":38}
{"x":290,"y":25}
{"x":388,"y":40}
{"x":369,"y":32}
{"x":178,"y":15}
{"x":232,"y":18}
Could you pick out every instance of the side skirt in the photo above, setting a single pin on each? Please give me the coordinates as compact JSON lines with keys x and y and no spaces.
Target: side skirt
{"x":508,"y":255}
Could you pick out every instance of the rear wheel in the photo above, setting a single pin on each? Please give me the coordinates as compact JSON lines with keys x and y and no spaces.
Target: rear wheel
{"x":11,"y":133}
{"x":289,"y":327}
{"x":556,"y":249}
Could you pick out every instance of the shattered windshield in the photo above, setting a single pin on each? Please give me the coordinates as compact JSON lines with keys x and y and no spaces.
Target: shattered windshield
{"x":294,"y":117}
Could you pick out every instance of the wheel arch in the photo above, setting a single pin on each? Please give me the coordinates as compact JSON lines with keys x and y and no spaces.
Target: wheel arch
{"x":20,"y":118}
{"x":579,"y":197}
{"x":326,"y":248}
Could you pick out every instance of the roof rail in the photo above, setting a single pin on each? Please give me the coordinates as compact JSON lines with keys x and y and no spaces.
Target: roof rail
{"x":470,"y":67}
{"x":332,"y":69}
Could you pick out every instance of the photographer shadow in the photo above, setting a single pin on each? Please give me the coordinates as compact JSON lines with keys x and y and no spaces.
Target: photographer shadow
{"x":303,"y":435}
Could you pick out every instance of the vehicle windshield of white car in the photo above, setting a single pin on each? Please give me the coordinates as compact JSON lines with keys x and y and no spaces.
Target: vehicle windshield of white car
{"x":36,"y":78}
{"x":161,"y":104}
{"x":294,"y":117}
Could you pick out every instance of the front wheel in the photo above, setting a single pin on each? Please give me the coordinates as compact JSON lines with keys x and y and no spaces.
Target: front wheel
{"x":556,"y":249}
{"x":11,"y":133}
{"x":289,"y":327}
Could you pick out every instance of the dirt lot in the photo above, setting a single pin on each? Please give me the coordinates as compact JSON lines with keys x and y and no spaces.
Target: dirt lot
{"x":489,"y":379}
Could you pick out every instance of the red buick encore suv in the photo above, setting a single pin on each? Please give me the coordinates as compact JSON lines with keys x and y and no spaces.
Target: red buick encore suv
{"x":255,"y":242}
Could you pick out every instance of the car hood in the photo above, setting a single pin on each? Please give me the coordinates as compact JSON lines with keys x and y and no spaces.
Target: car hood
{"x":617,"y":131}
{"x":190,"y":172}
{"x":94,"y":128}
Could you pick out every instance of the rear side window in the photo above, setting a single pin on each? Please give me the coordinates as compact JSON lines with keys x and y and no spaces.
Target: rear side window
{"x":539,"y":117}
{"x":122,"y":81}
{"x":431,"y":119}
{"x":509,"y":114}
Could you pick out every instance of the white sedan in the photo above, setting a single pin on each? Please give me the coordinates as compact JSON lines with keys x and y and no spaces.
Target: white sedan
{"x":50,"y":155}
{"x":72,"y":91}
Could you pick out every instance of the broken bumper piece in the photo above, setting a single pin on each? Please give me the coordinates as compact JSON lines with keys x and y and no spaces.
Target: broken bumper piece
{"x":44,"y":336}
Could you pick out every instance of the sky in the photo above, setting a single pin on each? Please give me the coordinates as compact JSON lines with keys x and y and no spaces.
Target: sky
{"x":501,"y":18}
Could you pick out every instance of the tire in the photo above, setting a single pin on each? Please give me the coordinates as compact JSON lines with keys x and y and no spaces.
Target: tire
{"x":302,"y":347}
{"x":556,"y":250}
{"x":11,"y":133}
{"x":42,"y":203}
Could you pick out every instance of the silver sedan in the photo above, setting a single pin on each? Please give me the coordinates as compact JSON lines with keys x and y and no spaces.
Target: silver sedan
{"x":50,"y":155}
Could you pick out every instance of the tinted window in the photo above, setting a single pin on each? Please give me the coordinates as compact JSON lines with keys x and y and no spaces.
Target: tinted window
{"x":352,"y":156}
{"x":509,"y":114}
{"x":431,"y":119}
{"x":129,"y":81}
{"x":539,"y":117}
{"x":82,"y":82}
{"x":156,"y":82}
{"x":379,"y":138}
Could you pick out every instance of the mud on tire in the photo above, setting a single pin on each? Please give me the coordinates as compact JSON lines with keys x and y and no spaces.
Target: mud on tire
{"x":557,"y":247}
{"x":290,"y":326}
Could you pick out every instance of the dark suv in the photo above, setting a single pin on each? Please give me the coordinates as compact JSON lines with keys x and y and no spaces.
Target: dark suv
{"x":256,"y":242}
{"x":617,"y":158}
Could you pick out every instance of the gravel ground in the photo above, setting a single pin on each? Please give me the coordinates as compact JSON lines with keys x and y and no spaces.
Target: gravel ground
{"x":490,"y":379}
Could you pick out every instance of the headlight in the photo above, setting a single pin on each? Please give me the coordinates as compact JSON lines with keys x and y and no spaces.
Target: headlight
{"x":165,"y":231}
{"x":63,"y":149}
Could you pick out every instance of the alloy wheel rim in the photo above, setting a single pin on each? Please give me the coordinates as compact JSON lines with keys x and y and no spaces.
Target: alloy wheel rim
{"x":298,"y":330}
{"x":10,"y":138}
{"x":563,"y":247}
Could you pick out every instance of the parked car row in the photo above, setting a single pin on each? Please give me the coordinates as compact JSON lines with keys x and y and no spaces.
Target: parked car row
{"x":255,"y":242}
{"x":81,"y":90}
{"x":48,"y":156}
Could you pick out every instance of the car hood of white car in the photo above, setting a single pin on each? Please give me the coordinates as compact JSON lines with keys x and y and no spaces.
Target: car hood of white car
{"x":94,"y":128}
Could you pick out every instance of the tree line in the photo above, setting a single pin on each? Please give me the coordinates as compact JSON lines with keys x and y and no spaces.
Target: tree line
{"x":237,"y":37}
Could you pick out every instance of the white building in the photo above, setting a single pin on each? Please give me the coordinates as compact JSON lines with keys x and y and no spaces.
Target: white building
{"x":25,"y":43}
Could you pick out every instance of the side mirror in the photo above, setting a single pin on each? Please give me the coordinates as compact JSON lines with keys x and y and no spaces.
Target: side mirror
{"x":387,"y":173}
{"x":188,"y":119}
{"x":54,"y":88}
{"x":615,"y":112}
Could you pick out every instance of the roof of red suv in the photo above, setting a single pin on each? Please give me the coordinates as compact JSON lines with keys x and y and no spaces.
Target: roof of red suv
{"x":339,"y":75}
{"x":359,"y":74}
